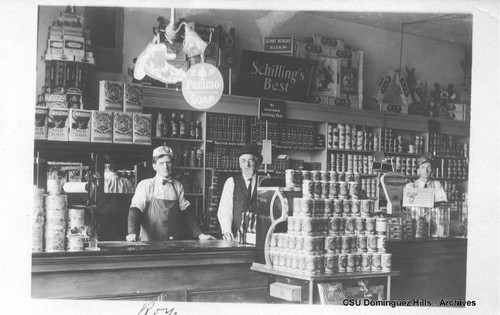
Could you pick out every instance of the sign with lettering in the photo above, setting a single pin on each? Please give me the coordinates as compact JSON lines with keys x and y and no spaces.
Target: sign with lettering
{"x":272,"y":110}
{"x":418,"y":197}
{"x":279,"y":45}
{"x":202,"y":88}
{"x":275,"y":76}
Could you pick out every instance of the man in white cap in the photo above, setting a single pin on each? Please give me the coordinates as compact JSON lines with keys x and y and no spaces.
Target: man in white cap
{"x":239,"y":192}
{"x":424,"y":179}
{"x":159,"y":206}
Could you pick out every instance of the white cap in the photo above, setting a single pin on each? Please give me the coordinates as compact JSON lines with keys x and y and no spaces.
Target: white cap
{"x":163,"y":150}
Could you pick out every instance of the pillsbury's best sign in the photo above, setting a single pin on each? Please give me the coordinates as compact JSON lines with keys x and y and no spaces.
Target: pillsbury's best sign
{"x":202,"y":88}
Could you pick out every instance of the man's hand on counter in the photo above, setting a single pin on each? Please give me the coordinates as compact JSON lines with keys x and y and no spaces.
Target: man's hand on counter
{"x":228,"y":236}
{"x":132,"y":238}
{"x":203,"y":236}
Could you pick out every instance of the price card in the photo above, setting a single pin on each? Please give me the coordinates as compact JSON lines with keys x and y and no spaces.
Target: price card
{"x":418,"y":197}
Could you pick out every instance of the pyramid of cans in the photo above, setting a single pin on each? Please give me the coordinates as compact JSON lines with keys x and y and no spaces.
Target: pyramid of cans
{"x":331,"y":230}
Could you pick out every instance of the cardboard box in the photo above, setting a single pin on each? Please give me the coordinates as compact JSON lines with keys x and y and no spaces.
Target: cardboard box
{"x":384,"y":85}
{"x":41,"y":123}
{"x":132,"y":98}
{"x":110,"y":96}
{"x":52,"y":97}
{"x":74,"y":45}
{"x":327,"y":76}
{"x":122,"y":127}
{"x":288,"y":292}
{"x":58,"y":124}
{"x":393,"y":108}
{"x":55,"y":46}
{"x":55,"y":104}
{"x":101,"y":126}
{"x":310,"y":51}
{"x":74,"y":98}
{"x":328,"y":41}
{"x":141,"y":133}
{"x":79,"y":126}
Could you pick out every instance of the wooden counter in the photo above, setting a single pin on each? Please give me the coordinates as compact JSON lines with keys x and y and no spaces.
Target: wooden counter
{"x":200,"y":271}
{"x":430,"y":269}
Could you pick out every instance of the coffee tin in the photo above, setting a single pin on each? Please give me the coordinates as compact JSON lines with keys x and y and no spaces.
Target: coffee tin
{"x":381,"y":243}
{"x":376,"y":262}
{"x":334,"y":189}
{"x":372,"y":243}
{"x":325,"y":189}
{"x":318,"y":189}
{"x":386,"y":262}
{"x":296,"y":206}
{"x":330,"y":263}
{"x":334,"y":226}
{"x":366,"y":205}
{"x":350,"y":225}
{"x":342,"y":262}
{"x":338,"y":207}
{"x":351,"y":262}
{"x":360,"y":225}
{"x":310,"y":264}
{"x":346,"y":244}
{"x":343,"y":189}
{"x":308,"y":188}
{"x":355,"y":207}
{"x":347,"y":207}
{"x":75,"y":242}
{"x":328,"y":208}
{"x":306,"y":207}
{"x":307,"y":226}
{"x":381,"y":226}
{"x":370,"y":225}
{"x":362,"y":241}
{"x":366,"y":261}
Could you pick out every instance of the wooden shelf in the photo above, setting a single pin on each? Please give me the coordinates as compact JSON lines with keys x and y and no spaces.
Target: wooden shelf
{"x":177,"y":139}
{"x":352,"y":151}
{"x":194,"y":168}
{"x":403,"y":154}
{"x":73,"y":147}
{"x":450,"y":157}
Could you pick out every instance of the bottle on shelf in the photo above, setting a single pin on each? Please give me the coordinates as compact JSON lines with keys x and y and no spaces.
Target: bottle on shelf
{"x":174,"y":126}
{"x":192,"y":157}
{"x":192,"y":130}
{"x":166,"y":129}
{"x":159,"y":125}
{"x":182,"y":126}
{"x":198,"y":131}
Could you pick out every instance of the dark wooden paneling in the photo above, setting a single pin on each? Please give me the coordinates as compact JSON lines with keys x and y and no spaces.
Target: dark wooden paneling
{"x":430,"y":269}
{"x":253,"y":295}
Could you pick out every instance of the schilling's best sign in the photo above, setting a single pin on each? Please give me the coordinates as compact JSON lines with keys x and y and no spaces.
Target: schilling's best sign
{"x":275,"y":76}
{"x":203,"y":85}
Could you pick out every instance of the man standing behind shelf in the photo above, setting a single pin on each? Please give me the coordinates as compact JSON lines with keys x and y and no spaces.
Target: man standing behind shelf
{"x":239,"y":193}
{"x":424,"y":174}
{"x":158,"y":205}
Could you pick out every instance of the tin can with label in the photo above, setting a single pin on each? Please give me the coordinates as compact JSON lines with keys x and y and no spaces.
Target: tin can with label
{"x":350,"y":225}
{"x":334,"y":226}
{"x":338,"y":207}
{"x":306,"y":175}
{"x":341,"y":177}
{"x":342,"y":225}
{"x":342,"y":262}
{"x":310,"y":264}
{"x":301,"y":263}
{"x":308,"y":188}
{"x":337,"y":240}
{"x":334,"y":176}
{"x":295,"y":262}
{"x":318,"y":208}
{"x":307,"y":225}
{"x":346,"y":244}
{"x":320,"y":264}
{"x":386,"y":262}
{"x":366,"y":207}
{"x":316,"y":176}
{"x":381,"y":243}
{"x":329,"y":263}
{"x":343,"y":190}
{"x":308,"y":247}
{"x":288,"y":261}
{"x":366,"y":261}
{"x":325,"y":189}
{"x":349,"y":177}
{"x":334,"y":189}
{"x":281,"y":260}
{"x":355,"y":207}
{"x":292,"y":242}
{"x":318,"y":190}
{"x":296,"y":206}
{"x":370,"y":226}
{"x":298,"y":225}
{"x":273,"y":255}
{"x":376,"y":262}
{"x":279,"y":242}
{"x":286,"y":240}
{"x":371,"y":243}
{"x":353,"y":243}
{"x":290,"y":221}
{"x":328,"y":208}
{"x":347,"y":207}
{"x":329,"y":244}
{"x":354,"y":190}
{"x":360,"y":225}
{"x":325,"y":176}
{"x":361,"y":243}
{"x":381,"y":226}
{"x":75,"y":242}
{"x":299,"y":243}
{"x":358,"y":262}
{"x":351,"y":262}
{"x":289,"y":173}
{"x":306,"y":207}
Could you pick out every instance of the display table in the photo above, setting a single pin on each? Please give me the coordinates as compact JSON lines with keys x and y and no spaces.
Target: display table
{"x":201,"y":271}
{"x":313,"y":280}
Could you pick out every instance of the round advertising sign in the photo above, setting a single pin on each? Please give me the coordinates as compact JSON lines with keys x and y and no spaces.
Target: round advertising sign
{"x":203,"y":85}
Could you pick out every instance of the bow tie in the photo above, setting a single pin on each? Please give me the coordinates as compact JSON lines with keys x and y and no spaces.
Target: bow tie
{"x":164,"y":181}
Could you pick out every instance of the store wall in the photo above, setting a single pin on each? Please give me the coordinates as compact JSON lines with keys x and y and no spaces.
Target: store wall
{"x":434,"y":61}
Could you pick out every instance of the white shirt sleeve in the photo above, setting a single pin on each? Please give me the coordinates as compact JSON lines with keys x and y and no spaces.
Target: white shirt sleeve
{"x":225,"y":211}
{"x":440,"y":194}
{"x":141,"y":195}
{"x":183,"y":203}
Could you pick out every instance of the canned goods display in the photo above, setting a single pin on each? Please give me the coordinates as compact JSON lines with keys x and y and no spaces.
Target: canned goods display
{"x":328,"y":208}
{"x":351,"y":262}
{"x":381,"y":226}
{"x":376,"y":262}
{"x":308,"y":188}
{"x":342,"y":262}
{"x":381,"y":243}
{"x":370,"y":225}
{"x":356,"y":207}
{"x":371,"y":243}
{"x":366,"y":261}
{"x":386,"y":262}
{"x":306,"y":207}
{"x":346,"y":205}
{"x":360,"y":225}
{"x":361,"y":241}
{"x":350,"y":225}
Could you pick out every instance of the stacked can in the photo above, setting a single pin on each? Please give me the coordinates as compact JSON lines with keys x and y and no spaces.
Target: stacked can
{"x":348,"y":137}
{"x":55,"y":223}
{"x":38,"y":220}
{"x":75,"y":228}
{"x":342,"y":135}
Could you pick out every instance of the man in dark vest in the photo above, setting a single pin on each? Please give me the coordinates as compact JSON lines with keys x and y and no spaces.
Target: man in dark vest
{"x":239,"y":194}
